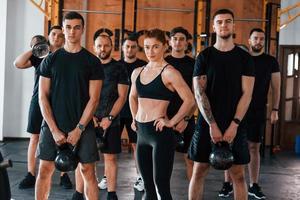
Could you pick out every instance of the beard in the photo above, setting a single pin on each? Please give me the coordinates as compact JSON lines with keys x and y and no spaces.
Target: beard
{"x":104,"y":55}
{"x":226,"y":37}
{"x":131,"y":56}
{"x":257,"y":48}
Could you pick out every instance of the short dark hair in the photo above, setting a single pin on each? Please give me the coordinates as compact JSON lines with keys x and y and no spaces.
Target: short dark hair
{"x":38,"y":38}
{"x":99,"y":33}
{"x":132,"y":37}
{"x":182,"y":30}
{"x":74,"y":15}
{"x":223,"y":11}
{"x":157,"y":34}
{"x":55,"y":27}
{"x":256,"y":30}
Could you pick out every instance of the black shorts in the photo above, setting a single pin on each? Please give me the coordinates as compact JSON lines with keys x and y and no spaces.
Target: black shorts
{"x":200,"y":147}
{"x":35,"y":117}
{"x":187,"y":136}
{"x":131,"y":133}
{"x":87,"y":149}
{"x":113,"y":139}
{"x":255,"y":130}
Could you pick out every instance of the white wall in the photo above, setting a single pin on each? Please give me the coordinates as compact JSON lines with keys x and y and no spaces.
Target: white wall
{"x":23,"y":21}
{"x":289,"y":35}
{"x":3,"y":16}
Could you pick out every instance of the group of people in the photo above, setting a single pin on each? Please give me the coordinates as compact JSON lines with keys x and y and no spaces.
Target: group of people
{"x":77,"y":92}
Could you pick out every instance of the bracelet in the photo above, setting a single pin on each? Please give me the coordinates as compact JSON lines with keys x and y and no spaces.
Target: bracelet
{"x":275,"y":109}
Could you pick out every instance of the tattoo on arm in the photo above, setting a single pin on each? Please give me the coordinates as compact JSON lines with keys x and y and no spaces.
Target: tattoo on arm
{"x":202,"y":100}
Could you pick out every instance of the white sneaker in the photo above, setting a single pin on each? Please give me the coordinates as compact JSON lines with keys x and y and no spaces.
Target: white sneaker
{"x":139,"y":184}
{"x":103,"y":183}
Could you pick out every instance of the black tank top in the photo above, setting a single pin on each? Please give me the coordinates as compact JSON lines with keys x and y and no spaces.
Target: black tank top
{"x":156,"y":89}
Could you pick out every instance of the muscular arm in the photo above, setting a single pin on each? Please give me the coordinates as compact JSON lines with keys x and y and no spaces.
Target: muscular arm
{"x":22,"y":61}
{"x":244,"y":102}
{"x":89,"y":110}
{"x":199,"y":83}
{"x":94,"y":93}
{"x":275,"y":85}
{"x":44,"y":91}
{"x":133,"y":95}
{"x":118,"y":105}
{"x":242,"y":107}
{"x":177,"y":82}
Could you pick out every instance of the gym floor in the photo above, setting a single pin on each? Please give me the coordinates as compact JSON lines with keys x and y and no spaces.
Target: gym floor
{"x":279,"y":179}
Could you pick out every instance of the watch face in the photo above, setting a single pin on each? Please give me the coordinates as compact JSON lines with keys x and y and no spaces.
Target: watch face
{"x":110,"y":118}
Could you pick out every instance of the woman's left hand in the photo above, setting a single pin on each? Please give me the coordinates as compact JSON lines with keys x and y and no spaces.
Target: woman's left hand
{"x":161,"y":123}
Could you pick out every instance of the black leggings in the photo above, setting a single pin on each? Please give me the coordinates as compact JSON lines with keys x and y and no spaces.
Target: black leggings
{"x":155,"y":157}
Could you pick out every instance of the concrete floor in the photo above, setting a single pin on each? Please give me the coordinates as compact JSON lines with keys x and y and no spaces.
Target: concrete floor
{"x":280,"y":177}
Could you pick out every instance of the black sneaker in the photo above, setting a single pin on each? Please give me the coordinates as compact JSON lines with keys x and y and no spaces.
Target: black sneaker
{"x":256,"y":192}
{"x":65,"y":182}
{"x":27,"y":182}
{"x":77,"y":196}
{"x":226,"y":190}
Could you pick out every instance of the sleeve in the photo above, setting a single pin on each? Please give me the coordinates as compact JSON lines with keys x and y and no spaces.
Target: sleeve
{"x":248,"y":65}
{"x":45,"y":67}
{"x":275,"y":65}
{"x":35,"y":61}
{"x":200,"y":67}
{"x":97,"y":72}
{"x":123,"y":75}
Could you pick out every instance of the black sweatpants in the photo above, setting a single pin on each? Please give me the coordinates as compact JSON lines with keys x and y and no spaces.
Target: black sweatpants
{"x":155,"y":157}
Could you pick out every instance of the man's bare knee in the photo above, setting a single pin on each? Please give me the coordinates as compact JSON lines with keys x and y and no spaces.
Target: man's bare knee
{"x":200,"y":170}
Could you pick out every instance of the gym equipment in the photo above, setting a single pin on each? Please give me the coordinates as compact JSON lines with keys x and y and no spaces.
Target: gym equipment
{"x":5,"y":193}
{"x":66,"y":158}
{"x":221,"y":157}
{"x":179,"y":142}
{"x":101,"y":139}
{"x":41,"y":49}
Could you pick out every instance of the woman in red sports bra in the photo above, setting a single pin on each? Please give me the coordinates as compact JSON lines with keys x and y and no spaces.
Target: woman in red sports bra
{"x":152,"y":89}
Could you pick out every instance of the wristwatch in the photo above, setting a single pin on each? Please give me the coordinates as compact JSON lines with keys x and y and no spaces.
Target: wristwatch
{"x":237,"y":121}
{"x":110,"y":117}
{"x":81,"y":127}
{"x":186,"y":118}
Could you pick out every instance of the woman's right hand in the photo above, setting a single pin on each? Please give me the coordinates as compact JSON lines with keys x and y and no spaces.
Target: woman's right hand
{"x":133,"y":126}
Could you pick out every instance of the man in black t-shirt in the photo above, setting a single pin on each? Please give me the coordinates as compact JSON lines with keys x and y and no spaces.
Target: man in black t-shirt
{"x":24,"y":61}
{"x":223,"y":83}
{"x":131,"y":62}
{"x":69,"y":90}
{"x":113,"y":96}
{"x":185,"y":65}
{"x":266,"y":72}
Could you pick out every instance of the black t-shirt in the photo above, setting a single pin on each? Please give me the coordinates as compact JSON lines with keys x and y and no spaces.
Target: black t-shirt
{"x":115,"y":73}
{"x":125,"y":112}
{"x":224,"y":72}
{"x":35,"y":62}
{"x":70,"y":74}
{"x":185,"y":66}
{"x":264,"y":65}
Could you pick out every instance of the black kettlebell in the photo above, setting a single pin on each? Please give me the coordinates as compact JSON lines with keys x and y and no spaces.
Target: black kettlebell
{"x":221,"y":157}
{"x":179,"y":142}
{"x":101,"y":139}
{"x":66,"y":158}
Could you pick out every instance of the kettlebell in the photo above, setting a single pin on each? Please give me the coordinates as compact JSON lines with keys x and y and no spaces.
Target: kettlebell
{"x":101,"y":139}
{"x":221,"y":157}
{"x":179,"y":142}
{"x":41,"y":49}
{"x":66,"y":158}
